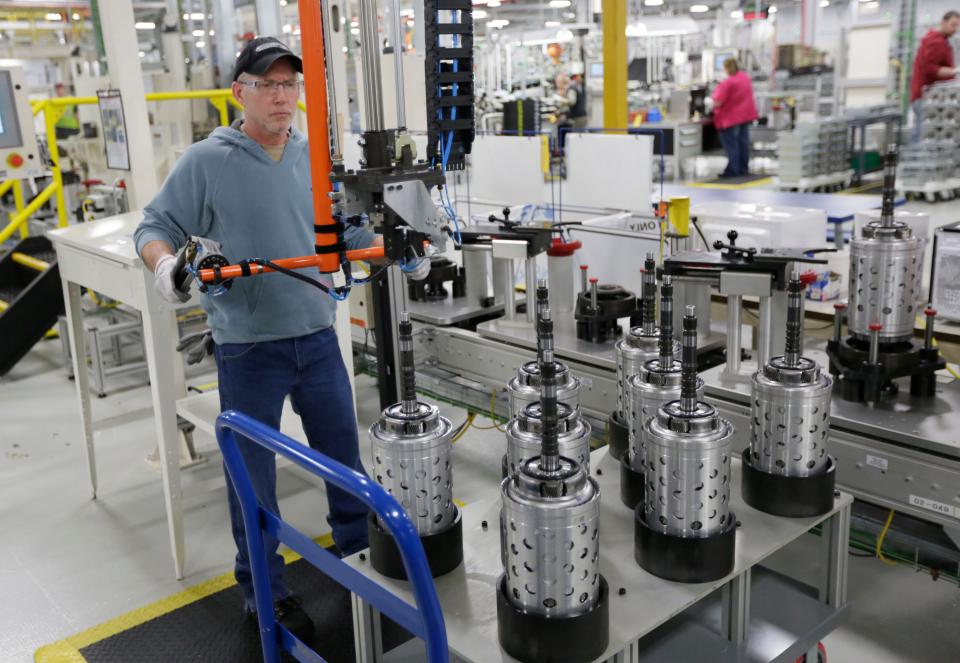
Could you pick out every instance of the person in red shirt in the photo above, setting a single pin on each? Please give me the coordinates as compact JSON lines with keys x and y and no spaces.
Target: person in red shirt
{"x":733,"y":112}
{"x":933,"y":63}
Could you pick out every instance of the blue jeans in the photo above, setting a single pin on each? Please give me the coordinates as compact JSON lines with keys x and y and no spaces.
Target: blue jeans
{"x":255,"y":378}
{"x":917,"y":106}
{"x":736,"y":143}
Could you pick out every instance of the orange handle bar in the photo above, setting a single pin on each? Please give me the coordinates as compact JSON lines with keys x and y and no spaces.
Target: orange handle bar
{"x":235,"y":271}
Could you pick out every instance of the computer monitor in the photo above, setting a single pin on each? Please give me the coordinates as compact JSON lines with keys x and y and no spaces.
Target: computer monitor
{"x":10,"y":135}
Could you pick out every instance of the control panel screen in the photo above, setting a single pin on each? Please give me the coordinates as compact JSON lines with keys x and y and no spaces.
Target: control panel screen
{"x":9,"y":122}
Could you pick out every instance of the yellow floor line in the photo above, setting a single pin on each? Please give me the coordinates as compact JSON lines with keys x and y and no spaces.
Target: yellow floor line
{"x":68,"y":649}
{"x":733,"y":187}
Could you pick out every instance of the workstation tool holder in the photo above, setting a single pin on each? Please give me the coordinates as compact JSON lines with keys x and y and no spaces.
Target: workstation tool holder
{"x":786,"y":469}
{"x":411,"y":446}
{"x":552,"y":601}
{"x":885,"y":286}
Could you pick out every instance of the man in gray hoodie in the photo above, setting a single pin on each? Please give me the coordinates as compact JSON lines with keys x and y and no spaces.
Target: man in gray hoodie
{"x":248,"y":187}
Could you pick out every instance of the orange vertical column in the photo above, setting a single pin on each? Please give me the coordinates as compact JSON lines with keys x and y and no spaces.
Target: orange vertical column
{"x":318,"y":126}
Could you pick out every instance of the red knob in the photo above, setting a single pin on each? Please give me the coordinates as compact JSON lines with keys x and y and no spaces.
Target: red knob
{"x":583,"y":268}
{"x":808,"y":277}
{"x":839,"y":306}
{"x":929,"y":312}
{"x":594,"y":279}
{"x":15,"y":160}
{"x":876,"y":326}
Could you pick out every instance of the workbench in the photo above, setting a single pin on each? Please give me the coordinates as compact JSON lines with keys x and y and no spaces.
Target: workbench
{"x":754,"y":614}
{"x":839,"y":208}
{"x":100,"y":255}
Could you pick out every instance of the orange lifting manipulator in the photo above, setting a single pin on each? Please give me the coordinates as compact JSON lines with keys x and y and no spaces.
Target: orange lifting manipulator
{"x":330,"y":253}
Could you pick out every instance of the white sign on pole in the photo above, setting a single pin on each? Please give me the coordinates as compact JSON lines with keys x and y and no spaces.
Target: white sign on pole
{"x":114,"y":129}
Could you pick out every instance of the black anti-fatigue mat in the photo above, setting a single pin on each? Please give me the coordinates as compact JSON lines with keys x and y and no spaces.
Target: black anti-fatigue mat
{"x":214,"y":629}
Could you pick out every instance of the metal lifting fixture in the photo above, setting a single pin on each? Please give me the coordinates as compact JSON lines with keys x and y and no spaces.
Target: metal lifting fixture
{"x":786,"y":468}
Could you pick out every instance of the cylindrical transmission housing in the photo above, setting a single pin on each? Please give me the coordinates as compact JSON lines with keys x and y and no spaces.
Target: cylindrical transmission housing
{"x":525,"y":430}
{"x":688,"y":471}
{"x":524,"y":388}
{"x":411,"y":460}
{"x":790,"y":418}
{"x":885,"y":281}
{"x":550,"y":539}
{"x":633,"y":350}
{"x":649,"y":390}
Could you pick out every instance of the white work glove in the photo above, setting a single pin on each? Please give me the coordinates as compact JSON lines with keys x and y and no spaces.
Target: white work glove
{"x":418,"y":270}
{"x":164,"y":272}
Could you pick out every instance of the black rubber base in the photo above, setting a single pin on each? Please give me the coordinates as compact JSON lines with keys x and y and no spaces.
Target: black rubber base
{"x":792,"y":497}
{"x":619,"y":436}
{"x":685,"y":559}
{"x":631,"y":483}
{"x":444,"y":550}
{"x":537,"y":639}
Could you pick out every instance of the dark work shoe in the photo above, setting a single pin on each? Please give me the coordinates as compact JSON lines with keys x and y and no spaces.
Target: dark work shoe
{"x":290,"y":613}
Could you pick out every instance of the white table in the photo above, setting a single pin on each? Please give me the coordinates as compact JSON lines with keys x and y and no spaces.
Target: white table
{"x":100,"y":255}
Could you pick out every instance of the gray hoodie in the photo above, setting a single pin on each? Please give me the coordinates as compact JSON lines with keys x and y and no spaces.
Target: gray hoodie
{"x":227,"y":188}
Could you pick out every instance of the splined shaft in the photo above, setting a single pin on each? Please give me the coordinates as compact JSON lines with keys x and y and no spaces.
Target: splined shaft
{"x":666,"y":323}
{"x":889,"y":186}
{"x":408,"y":382}
{"x":688,"y":361}
{"x":550,"y":451}
{"x":649,"y":295}
{"x":793,"y":347}
{"x":542,"y":304}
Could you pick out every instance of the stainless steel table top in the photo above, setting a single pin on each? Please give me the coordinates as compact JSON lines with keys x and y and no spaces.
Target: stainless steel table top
{"x":448,"y":311}
{"x":467,"y":594}
{"x":931,"y":424}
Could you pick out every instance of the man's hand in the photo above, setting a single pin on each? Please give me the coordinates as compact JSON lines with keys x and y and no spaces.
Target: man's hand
{"x":164,"y":272}
{"x":417,"y":270}
{"x":196,"y":346}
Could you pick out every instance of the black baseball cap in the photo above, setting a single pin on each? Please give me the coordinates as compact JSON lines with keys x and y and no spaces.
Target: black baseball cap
{"x":260,"y":53}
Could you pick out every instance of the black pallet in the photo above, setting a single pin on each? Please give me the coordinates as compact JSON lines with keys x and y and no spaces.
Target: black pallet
{"x":35,"y":300}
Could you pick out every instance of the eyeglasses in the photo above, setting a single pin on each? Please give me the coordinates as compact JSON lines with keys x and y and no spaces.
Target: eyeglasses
{"x":271,"y":87}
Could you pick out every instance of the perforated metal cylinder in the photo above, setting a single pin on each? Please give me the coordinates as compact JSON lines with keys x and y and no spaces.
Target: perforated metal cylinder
{"x":524,"y":388}
{"x":649,"y":390}
{"x":790,"y":418}
{"x":633,"y":350}
{"x":688,"y":471}
{"x":885,"y":281}
{"x":550,"y":540}
{"x":411,"y":460}
{"x":523,"y":436}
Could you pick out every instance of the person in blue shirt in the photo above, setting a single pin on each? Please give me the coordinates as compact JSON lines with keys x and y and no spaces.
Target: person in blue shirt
{"x":248,"y":187}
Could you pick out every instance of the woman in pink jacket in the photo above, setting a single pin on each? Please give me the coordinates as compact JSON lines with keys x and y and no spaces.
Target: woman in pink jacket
{"x":733,"y":111}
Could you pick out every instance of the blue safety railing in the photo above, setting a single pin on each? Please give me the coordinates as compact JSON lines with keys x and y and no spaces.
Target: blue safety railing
{"x":425,"y":621}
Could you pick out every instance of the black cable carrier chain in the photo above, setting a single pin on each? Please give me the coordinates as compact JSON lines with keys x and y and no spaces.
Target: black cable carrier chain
{"x":442,"y":75}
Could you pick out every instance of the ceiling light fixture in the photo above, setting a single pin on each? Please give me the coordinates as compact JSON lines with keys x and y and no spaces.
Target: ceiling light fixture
{"x":480,"y":13}
{"x":493,"y":3}
{"x":824,"y":3}
{"x":76,"y":16}
{"x":772,"y":9}
{"x":198,"y":33}
{"x":699,"y":9}
{"x":652,"y":3}
{"x":559,"y":4}
{"x":54,"y":17}
{"x":196,"y":16}
{"x":736,"y":13}
{"x":551,"y":24}
{"x":145,"y":25}
{"x":201,"y":44}
{"x":498,"y":23}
